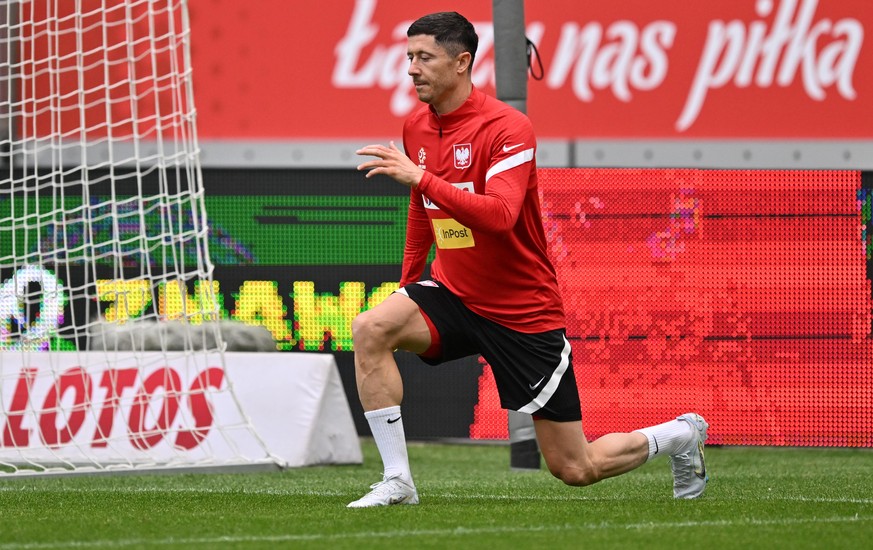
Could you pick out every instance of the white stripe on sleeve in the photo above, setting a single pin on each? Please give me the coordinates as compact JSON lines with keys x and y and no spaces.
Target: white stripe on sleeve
{"x":510,"y":162}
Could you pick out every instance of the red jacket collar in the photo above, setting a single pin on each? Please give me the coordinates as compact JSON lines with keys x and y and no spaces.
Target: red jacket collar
{"x":471,"y":106}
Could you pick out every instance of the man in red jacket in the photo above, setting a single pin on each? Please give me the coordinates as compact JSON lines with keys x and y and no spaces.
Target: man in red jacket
{"x":471,"y":170}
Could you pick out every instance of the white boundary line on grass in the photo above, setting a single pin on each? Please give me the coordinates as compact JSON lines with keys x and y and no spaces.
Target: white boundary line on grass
{"x":834,"y":500}
{"x":321,"y":493}
{"x":460,"y":531}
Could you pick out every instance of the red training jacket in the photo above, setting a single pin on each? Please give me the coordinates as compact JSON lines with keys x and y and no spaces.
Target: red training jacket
{"x":478,"y":201}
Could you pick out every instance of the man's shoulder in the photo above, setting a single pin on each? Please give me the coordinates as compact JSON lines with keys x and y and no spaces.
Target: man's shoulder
{"x":497,"y":109}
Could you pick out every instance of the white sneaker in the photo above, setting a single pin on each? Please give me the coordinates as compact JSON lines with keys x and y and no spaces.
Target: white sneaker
{"x":689,"y":466}
{"x":392,"y":490}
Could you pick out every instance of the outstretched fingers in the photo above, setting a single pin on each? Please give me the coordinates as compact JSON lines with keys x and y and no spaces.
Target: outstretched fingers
{"x":378,"y":164}
{"x":390,"y":161}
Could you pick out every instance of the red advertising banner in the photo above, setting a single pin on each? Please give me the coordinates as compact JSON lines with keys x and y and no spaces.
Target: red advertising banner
{"x":722,"y":69}
{"x":279,"y":70}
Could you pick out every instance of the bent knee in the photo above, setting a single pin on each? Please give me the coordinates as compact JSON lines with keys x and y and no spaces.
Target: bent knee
{"x":575,"y":475}
{"x":361,"y":325}
{"x":369,"y":325}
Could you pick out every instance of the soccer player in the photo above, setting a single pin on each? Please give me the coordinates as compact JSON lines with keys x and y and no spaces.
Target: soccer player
{"x":472,"y":176}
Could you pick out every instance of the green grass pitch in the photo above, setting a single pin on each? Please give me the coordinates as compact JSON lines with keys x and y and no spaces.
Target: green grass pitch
{"x":757,"y":498}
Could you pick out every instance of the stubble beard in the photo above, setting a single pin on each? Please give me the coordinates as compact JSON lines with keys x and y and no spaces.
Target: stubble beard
{"x":423,"y":95}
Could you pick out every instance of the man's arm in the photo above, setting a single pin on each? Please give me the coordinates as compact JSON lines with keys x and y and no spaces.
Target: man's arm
{"x":496,"y":211}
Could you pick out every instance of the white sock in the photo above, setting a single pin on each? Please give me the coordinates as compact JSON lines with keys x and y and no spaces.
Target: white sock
{"x":669,"y":438}
{"x":387,"y":427}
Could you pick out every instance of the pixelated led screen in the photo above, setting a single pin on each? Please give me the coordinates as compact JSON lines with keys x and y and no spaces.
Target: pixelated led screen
{"x":742,"y":295}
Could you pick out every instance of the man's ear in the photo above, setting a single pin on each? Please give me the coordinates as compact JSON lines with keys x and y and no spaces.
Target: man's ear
{"x":464,"y":59}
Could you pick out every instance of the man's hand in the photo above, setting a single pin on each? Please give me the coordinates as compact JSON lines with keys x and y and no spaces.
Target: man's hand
{"x":392,"y":162}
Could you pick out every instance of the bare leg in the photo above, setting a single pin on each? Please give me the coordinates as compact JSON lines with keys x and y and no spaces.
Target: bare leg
{"x":572,"y":459}
{"x":395,"y":323}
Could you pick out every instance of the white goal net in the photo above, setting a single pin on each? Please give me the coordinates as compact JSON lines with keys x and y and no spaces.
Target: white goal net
{"x":109,"y":354}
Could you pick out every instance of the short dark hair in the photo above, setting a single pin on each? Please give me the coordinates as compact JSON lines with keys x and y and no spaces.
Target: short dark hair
{"x":450,"y":30}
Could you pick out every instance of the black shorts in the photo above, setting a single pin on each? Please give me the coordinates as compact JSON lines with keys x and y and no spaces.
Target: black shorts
{"x":534,"y":372}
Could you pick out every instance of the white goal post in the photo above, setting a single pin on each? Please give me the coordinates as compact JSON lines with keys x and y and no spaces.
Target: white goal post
{"x":104,"y":245}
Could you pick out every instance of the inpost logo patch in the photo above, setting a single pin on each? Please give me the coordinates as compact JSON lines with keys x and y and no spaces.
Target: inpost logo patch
{"x":451,"y":234}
